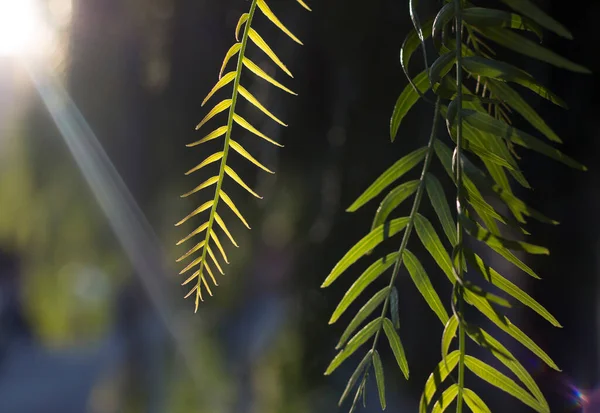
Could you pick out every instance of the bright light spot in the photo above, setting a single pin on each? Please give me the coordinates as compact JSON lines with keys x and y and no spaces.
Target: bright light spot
{"x":21,"y":28}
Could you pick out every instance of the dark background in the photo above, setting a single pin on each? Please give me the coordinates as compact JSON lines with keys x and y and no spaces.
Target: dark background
{"x":84,"y":329}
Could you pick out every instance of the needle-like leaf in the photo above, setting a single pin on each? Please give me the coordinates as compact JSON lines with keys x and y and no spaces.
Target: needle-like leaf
{"x":396,"y":346}
{"x":366,"y":244}
{"x":393,"y":173}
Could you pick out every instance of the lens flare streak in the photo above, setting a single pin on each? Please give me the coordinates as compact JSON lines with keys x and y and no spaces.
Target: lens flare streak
{"x":126,"y":219}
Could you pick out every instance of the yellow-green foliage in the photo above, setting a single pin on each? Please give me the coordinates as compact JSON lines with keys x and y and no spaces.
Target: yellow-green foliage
{"x":209,"y":241}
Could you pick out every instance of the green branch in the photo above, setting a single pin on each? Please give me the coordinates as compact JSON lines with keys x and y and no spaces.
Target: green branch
{"x":459,"y":199}
{"x":221,"y":176}
{"x":409,"y":227}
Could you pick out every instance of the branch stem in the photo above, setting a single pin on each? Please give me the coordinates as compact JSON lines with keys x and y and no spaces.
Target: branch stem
{"x":457,"y":261}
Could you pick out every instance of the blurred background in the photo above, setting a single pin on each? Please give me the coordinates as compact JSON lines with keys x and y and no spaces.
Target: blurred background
{"x":97,"y":101}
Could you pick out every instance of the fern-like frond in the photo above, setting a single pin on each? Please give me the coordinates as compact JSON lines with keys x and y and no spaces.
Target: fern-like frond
{"x":477,"y":101}
{"x":209,"y":251}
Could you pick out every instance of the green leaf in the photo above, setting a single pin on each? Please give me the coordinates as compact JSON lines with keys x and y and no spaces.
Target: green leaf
{"x":362,"y":314}
{"x":485,"y":211}
{"x":406,"y":101}
{"x":495,"y":144}
{"x":481,"y":234}
{"x":490,"y":188}
{"x":494,"y":69}
{"x":505,"y":325}
{"x":448,"y":335}
{"x":396,"y":346}
{"x":393,"y":173}
{"x":529,"y":9}
{"x":492,"y":298}
{"x":499,"y":380}
{"x":529,"y":48}
{"x":433,"y":244}
{"x":508,"y":287}
{"x":436,"y":378}
{"x":488,"y":147}
{"x":394,"y":311}
{"x":358,"y":340}
{"x":515,"y":101}
{"x":379,"y":377}
{"x":392,"y":200}
{"x":444,"y":16}
{"x":479,"y":16}
{"x":485,"y":340}
{"x":366,"y":244}
{"x":411,"y":43}
{"x":435,"y":191}
{"x":367,"y":277}
{"x":423,"y":284}
{"x":445,"y":399}
{"x":441,"y":66}
{"x":474,"y":402}
{"x":412,"y":7}
{"x":352,"y":381}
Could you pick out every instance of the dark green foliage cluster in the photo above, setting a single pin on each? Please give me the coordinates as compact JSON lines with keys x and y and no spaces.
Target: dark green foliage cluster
{"x":475,"y":95}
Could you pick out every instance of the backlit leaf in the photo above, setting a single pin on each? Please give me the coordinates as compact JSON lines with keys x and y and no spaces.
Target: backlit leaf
{"x":406,"y":101}
{"x":392,"y":200}
{"x":499,"y":380}
{"x":233,"y":50}
{"x":529,"y":48}
{"x":423,"y":284}
{"x":529,"y":9}
{"x":353,"y":379}
{"x":380,"y":378}
{"x":219,"y":107}
{"x":239,"y":149}
{"x":446,"y":399}
{"x":435,"y":191}
{"x":262,"y":45}
{"x":220,"y":131}
{"x":393,"y":173}
{"x":367,"y":277}
{"x":222,"y":82}
{"x":436,"y":378}
{"x":474,"y":402}
{"x":232,"y":206}
{"x":448,"y":335}
{"x":246,"y":125}
{"x":362,"y":315}
{"x":355,"y":342}
{"x":433,"y":244}
{"x":367,"y":243}
{"x":212,"y":158}
{"x":250,"y":98}
{"x":508,"y":287}
{"x":506,"y":325}
{"x":263,"y":75}
{"x":396,"y":346}
{"x":485,"y":340}
{"x":262,"y":5}
{"x":233,"y":175}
